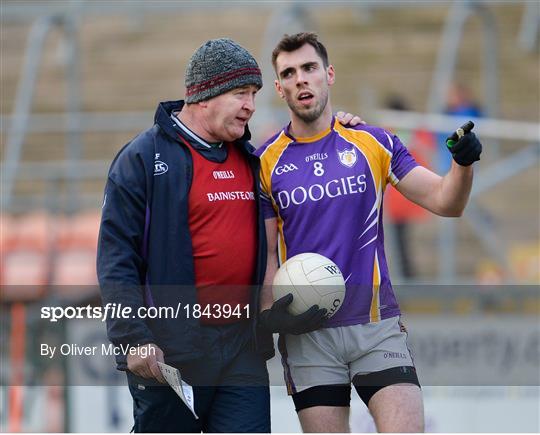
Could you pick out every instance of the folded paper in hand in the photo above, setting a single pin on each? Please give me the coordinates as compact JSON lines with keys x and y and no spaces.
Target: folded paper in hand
{"x":182,"y":388}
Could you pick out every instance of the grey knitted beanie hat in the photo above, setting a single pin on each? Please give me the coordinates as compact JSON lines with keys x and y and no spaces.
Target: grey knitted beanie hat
{"x":219,"y":66}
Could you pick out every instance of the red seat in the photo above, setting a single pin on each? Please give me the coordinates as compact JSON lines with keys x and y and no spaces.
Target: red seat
{"x":25,"y":261}
{"x":74,"y":270}
{"x":79,"y":231}
{"x":7,"y":233}
{"x":24,"y":276}
{"x":33,"y":231}
{"x":75,"y":267}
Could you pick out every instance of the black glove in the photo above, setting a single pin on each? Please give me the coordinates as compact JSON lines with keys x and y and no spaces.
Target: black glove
{"x":464,"y":145}
{"x":278,"y":319}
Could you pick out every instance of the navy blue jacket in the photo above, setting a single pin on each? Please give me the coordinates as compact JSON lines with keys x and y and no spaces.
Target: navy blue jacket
{"x":145,"y":252}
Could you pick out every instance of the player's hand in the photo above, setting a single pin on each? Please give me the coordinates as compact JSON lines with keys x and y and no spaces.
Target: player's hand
{"x":349,"y":119}
{"x":464,"y":145}
{"x":278,"y":319}
{"x":147,"y":367}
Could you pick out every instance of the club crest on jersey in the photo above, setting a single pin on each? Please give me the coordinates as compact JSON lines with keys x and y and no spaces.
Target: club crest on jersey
{"x":348,"y":157}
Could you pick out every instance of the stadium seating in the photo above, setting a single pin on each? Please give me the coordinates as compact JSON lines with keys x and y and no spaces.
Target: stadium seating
{"x":40,"y":250}
{"x":25,"y":260}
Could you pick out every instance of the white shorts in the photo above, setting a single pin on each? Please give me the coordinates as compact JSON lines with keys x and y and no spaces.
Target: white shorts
{"x":334,"y":356}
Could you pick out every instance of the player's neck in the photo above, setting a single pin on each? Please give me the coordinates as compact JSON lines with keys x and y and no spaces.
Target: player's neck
{"x":300,"y":128}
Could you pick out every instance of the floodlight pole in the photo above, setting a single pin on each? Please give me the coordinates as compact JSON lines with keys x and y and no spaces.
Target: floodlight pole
{"x":23,"y":104}
{"x":21,"y":118}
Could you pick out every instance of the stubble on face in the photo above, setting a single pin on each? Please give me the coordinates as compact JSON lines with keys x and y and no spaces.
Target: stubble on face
{"x":309,"y":115}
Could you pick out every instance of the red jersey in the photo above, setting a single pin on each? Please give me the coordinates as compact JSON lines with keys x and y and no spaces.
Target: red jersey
{"x":222,"y":222}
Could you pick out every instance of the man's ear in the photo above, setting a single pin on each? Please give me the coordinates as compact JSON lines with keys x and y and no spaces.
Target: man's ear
{"x":203,"y":104}
{"x":279,"y":89}
{"x":330,"y":75}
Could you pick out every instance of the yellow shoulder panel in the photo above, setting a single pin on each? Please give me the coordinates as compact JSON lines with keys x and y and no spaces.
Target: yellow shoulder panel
{"x":377,"y":156}
{"x":269,"y":159}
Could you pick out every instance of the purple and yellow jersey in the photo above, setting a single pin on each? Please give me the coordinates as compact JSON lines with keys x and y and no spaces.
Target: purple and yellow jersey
{"x":326,"y":192}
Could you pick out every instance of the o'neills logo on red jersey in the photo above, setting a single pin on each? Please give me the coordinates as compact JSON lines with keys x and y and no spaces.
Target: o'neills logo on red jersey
{"x":231,"y":196}
{"x":332,"y":189}
{"x":223,"y":175}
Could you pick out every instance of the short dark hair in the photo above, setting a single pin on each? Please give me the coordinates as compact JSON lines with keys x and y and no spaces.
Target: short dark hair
{"x":293,"y":42}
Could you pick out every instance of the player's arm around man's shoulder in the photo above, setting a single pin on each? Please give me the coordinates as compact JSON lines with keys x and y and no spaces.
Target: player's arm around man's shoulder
{"x":349,"y":119}
{"x":447,"y":195}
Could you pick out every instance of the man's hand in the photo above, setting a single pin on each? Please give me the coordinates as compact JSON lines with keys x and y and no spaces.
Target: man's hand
{"x":147,"y":367}
{"x":349,"y":119}
{"x":278,"y":319}
{"x":464,"y":145}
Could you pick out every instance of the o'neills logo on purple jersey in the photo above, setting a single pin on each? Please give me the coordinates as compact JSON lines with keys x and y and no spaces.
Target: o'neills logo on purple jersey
{"x":332,"y":189}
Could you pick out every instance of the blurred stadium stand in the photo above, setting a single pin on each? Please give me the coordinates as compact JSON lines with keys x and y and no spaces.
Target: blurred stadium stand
{"x":67,"y":106}
{"x":81,"y":78}
{"x":76,"y":250}
{"x":40,"y":250}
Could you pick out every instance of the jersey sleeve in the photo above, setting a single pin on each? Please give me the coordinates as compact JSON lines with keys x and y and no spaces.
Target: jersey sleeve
{"x":266,"y":203}
{"x":401,"y":163}
{"x":265,"y":186}
{"x":269,"y":155}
